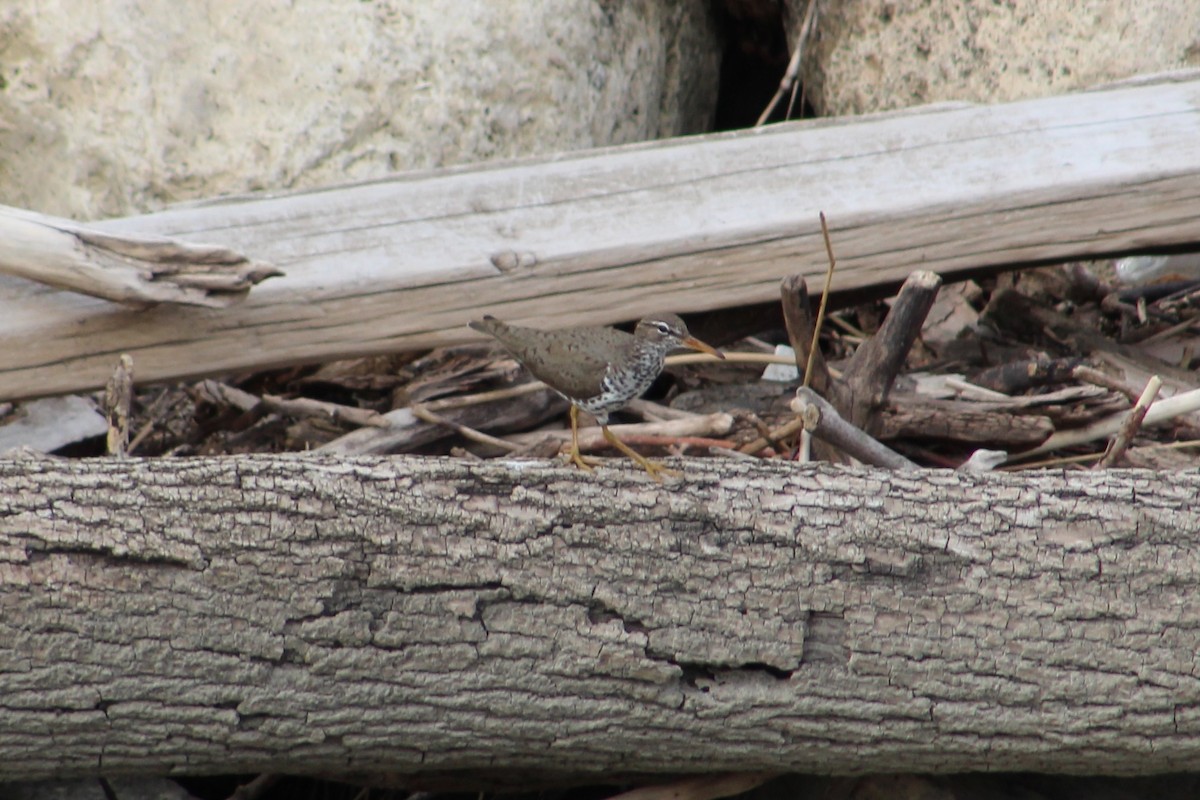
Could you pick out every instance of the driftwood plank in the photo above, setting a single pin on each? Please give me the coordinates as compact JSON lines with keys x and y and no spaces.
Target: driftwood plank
{"x":408,"y":615}
{"x":600,"y":236}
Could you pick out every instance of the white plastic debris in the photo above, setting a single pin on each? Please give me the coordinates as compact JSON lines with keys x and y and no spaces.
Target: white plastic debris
{"x":1143,"y":269}
{"x":782,"y":373}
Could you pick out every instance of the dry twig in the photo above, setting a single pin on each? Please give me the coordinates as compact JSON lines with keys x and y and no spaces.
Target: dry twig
{"x":1083,"y":458}
{"x":730,"y":358}
{"x":161,"y":406}
{"x":815,"y":345}
{"x":302,"y":407}
{"x":465,"y":400}
{"x":1132,"y":424}
{"x":703,"y":425}
{"x":782,"y":433}
{"x":423,"y":413}
{"x":1096,"y":377}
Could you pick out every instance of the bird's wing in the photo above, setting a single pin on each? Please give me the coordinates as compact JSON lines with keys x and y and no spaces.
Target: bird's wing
{"x":573,"y":361}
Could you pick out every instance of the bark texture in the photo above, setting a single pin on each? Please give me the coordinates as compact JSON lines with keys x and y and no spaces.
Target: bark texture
{"x":306,"y":614}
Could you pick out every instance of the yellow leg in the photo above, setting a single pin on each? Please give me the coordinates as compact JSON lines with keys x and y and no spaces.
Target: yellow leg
{"x":576,"y":456}
{"x":655,"y":469}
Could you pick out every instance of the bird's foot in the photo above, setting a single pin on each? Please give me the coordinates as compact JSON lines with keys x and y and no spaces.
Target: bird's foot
{"x":585,"y":464}
{"x":657,"y":470}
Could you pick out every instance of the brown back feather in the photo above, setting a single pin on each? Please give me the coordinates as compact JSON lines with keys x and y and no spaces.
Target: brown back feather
{"x":572,"y":360}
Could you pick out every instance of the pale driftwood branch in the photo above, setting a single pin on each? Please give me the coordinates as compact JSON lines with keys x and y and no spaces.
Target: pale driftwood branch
{"x":406,"y":615}
{"x":297,"y":407}
{"x":822,"y":420}
{"x":602,"y":236}
{"x":1162,"y":411}
{"x":404,"y":430}
{"x":139,"y":270}
{"x":652,"y":411}
{"x":223,"y":393}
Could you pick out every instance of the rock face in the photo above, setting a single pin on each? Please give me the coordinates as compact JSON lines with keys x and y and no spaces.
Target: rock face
{"x":115,"y":106}
{"x":873,"y":55}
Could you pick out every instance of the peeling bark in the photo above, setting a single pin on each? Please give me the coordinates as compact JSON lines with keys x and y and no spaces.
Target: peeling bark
{"x":301,"y":614}
{"x":139,"y":271}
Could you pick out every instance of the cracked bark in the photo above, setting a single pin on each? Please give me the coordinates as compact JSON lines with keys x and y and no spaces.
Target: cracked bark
{"x":301,"y":614}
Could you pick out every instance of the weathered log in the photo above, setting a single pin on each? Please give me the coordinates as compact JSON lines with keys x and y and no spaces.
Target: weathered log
{"x":304,"y":614}
{"x":961,"y":421}
{"x":601,"y":236}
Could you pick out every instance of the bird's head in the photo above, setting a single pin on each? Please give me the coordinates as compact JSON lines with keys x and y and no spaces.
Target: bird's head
{"x":665,"y":331}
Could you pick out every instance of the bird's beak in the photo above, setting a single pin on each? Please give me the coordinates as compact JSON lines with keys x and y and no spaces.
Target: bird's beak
{"x":696,"y":344}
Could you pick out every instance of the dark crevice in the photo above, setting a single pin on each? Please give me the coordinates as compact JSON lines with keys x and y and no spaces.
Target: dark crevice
{"x":106,"y":557}
{"x":754,"y":60}
{"x":694,"y":672}
{"x":289,"y":656}
{"x":438,"y":588}
{"x":600,"y":613}
{"x":253,"y":722}
{"x":774,"y":672}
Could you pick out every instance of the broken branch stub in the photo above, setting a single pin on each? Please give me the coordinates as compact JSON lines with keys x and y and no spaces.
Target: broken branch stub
{"x":865,"y":383}
{"x":823,"y":421}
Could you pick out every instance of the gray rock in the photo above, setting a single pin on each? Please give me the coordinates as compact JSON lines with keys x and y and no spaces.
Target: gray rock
{"x":881,"y":54}
{"x":115,"y":106}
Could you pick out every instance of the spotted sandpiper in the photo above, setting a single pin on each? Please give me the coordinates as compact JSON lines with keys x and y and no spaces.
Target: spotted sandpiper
{"x":598,"y":370}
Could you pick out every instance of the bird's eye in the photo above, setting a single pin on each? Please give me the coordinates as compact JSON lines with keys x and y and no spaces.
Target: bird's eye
{"x":663,"y":328}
